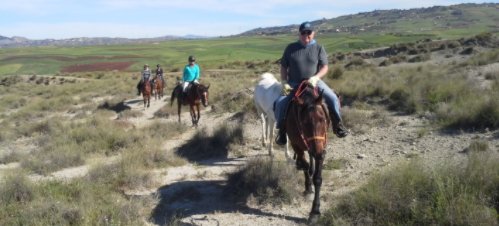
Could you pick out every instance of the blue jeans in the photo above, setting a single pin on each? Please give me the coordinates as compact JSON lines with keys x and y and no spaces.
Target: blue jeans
{"x":329,"y":96}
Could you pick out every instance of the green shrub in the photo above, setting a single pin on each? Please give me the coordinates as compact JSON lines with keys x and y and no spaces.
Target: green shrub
{"x":266,"y":181}
{"x":335,"y":164}
{"x":492,"y":76}
{"x":416,"y":194}
{"x":453,"y":44}
{"x":204,"y":145}
{"x":398,"y":59}
{"x":127,"y":114}
{"x":420,"y":58}
{"x":336,"y":73}
{"x":16,"y":188}
{"x":468,"y":51}
{"x":478,"y":146}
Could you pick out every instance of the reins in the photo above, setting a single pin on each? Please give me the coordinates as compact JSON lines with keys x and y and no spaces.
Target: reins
{"x":299,"y":124}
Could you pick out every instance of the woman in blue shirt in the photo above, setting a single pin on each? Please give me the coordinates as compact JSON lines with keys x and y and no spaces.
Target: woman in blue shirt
{"x":191,"y":74}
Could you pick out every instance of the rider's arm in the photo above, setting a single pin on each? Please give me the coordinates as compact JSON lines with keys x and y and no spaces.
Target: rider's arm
{"x":322,"y":71}
{"x":185,"y":75}
{"x":196,"y":77}
{"x":284,"y":73}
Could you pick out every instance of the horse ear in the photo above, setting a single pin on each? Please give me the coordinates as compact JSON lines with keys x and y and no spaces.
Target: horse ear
{"x":208,"y":87}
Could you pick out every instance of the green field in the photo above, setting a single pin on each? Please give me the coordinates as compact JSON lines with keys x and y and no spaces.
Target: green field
{"x":210,"y":53}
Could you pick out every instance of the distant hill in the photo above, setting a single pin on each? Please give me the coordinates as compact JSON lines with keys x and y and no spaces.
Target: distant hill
{"x":474,"y":18}
{"x":84,"y":41}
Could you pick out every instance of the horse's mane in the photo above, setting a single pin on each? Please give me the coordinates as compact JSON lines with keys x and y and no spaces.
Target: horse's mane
{"x":308,"y":97}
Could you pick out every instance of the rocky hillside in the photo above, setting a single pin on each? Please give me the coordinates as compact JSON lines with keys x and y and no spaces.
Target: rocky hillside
{"x":432,"y":19}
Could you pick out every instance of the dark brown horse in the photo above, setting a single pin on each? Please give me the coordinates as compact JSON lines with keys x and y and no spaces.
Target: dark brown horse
{"x":198,"y":94}
{"x":146,"y":92}
{"x":158,"y":88}
{"x":307,"y":121}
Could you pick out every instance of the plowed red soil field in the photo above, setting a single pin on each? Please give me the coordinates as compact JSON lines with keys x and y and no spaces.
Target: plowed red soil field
{"x":97,"y":66}
{"x":65,"y":58}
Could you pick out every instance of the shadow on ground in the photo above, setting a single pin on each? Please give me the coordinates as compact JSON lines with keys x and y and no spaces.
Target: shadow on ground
{"x":188,"y":198}
{"x":118,"y":107}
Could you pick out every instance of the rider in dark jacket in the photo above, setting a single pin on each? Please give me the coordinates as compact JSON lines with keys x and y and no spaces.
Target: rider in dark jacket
{"x":145,"y":75}
{"x":159,"y":73}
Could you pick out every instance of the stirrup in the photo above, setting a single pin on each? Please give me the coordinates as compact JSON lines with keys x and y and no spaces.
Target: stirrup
{"x":341,"y":131}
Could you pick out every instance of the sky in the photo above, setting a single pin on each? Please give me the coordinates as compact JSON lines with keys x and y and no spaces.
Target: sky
{"x":60,"y":19}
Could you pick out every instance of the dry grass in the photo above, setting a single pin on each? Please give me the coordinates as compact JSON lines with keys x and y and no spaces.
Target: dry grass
{"x":415,"y":194}
{"x":265,"y":181}
{"x":205,"y":145}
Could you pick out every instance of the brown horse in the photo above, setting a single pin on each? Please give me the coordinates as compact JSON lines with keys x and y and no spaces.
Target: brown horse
{"x":158,"y":88}
{"x":198,"y":94}
{"x":146,"y":92}
{"x":306,"y":123}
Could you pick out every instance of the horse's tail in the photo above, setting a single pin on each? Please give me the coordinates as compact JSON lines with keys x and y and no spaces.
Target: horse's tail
{"x":172,"y":98}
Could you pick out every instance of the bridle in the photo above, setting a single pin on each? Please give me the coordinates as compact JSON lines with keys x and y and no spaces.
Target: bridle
{"x":199,"y":95}
{"x":299,"y":123}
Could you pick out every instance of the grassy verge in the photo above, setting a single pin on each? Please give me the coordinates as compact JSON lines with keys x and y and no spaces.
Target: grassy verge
{"x":76,"y":202}
{"x":415,"y":194}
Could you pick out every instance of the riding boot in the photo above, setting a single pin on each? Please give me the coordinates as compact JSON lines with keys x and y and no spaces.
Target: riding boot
{"x":281,"y":138}
{"x":338,"y":129}
{"x":341,"y":131}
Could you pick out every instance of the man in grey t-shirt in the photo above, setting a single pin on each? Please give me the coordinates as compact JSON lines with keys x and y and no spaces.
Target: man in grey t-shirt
{"x":305,"y":59}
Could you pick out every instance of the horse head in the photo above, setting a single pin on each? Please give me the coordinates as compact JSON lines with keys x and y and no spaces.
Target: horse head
{"x":312,"y":120}
{"x":204,"y":94}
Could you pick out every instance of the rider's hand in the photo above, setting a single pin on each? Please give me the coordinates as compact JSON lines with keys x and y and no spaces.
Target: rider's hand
{"x":312,"y":81}
{"x":286,"y":89}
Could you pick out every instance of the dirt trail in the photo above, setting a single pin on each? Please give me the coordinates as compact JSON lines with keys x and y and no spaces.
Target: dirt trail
{"x":377,"y":149}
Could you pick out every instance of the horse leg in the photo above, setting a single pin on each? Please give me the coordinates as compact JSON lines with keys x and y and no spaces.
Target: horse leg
{"x":193,"y":116}
{"x":179,"y":104}
{"x":302,"y":164}
{"x":199,"y":115}
{"x":260,"y":114}
{"x":270,"y":129}
{"x":149,"y":100}
{"x":317,"y":178}
{"x":311,"y":169}
{"x":286,"y":149}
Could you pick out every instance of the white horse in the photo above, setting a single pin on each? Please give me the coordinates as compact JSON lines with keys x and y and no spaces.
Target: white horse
{"x":267,"y":91}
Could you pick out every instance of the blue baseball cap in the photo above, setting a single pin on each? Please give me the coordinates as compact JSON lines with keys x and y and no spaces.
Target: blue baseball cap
{"x":306,"y":26}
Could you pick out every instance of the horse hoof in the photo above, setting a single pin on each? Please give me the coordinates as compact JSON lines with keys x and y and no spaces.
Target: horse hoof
{"x":313,"y":217}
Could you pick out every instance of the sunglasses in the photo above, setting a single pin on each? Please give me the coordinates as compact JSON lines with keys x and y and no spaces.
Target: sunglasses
{"x":306,"y":32}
